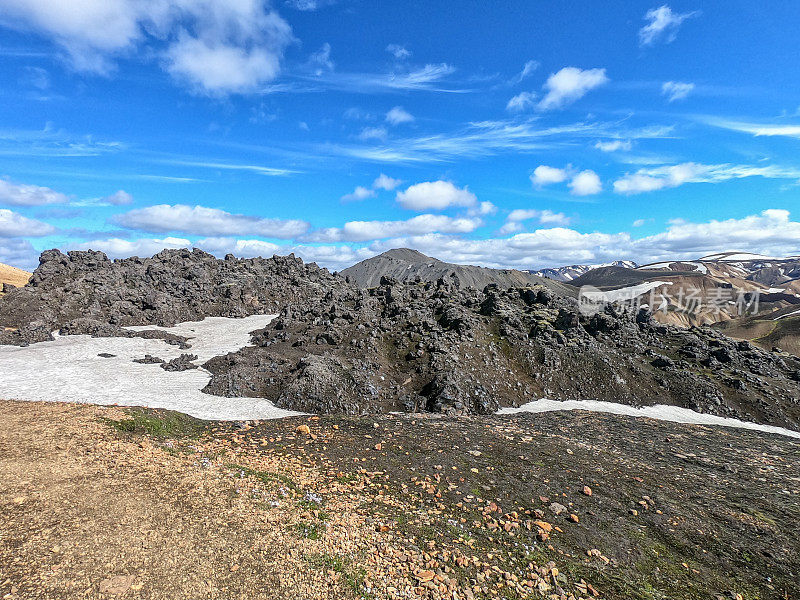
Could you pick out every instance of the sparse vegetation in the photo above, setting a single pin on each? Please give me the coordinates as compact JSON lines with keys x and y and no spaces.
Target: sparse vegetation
{"x":158,"y":423}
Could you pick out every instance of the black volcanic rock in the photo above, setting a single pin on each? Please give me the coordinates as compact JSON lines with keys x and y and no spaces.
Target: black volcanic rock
{"x":432,"y":347}
{"x":86,"y":292}
{"x":413,"y":345}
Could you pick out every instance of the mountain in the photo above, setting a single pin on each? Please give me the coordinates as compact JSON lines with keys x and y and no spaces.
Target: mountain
{"x":404,"y":264}
{"x":747,"y":296}
{"x":12,"y":276}
{"x":571,"y":272}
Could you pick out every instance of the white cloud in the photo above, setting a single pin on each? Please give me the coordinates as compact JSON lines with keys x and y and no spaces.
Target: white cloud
{"x":260,"y":169}
{"x":527,"y":70}
{"x":354,"y":113}
{"x":521,"y":102}
{"x":585,"y":183}
{"x":321,"y":61}
{"x":398,"y":51}
{"x":23,"y":194}
{"x":121,"y":248}
{"x":201,"y":220}
{"x":771,"y":232}
{"x":308,"y":5}
{"x":544,"y":175}
{"x":510,"y":227}
{"x":426,"y":78}
{"x":546,"y":217}
{"x":359,"y":231}
{"x":569,"y":85}
{"x":399,"y":115}
{"x":14,"y":225}
{"x":384,"y":182}
{"x":676,"y":90}
{"x":639,"y":222}
{"x":663,"y":25}
{"x":18,"y":253}
{"x":483,"y":209}
{"x":670,"y":176}
{"x":243,"y":248}
{"x":360,"y":193}
{"x":757,"y":129}
{"x":614,"y":145}
{"x":435,"y":195}
{"x":490,"y":138}
{"x":373,"y":133}
{"x":220,"y":68}
{"x":217,"y":47}
{"x":118,"y":198}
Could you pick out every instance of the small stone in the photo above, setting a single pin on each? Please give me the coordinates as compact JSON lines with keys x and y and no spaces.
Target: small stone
{"x":116,"y":585}
{"x":587,"y":491}
{"x":574,"y":518}
{"x":544,"y":525}
{"x":425,"y":576}
{"x":557,"y":508}
{"x":303,"y":429}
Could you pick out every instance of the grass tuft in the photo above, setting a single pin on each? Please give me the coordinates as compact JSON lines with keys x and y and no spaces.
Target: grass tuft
{"x":158,"y":423}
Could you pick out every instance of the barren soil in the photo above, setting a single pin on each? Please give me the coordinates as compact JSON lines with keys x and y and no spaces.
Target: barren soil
{"x":104,"y":503}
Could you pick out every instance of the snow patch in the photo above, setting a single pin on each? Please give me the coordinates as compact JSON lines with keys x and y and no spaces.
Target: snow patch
{"x":661,"y":412}
{"x":70,"y":370}
{"x":797,"y":312}
{"x":622,"y":294}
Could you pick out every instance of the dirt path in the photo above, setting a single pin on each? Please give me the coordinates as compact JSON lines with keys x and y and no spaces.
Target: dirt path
{"x":88,"y":513}
{"x":106,"y":503}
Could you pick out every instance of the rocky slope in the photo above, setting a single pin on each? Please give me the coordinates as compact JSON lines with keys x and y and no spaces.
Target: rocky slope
{"x":85,"y":292}
{"x":432,"y":347}
{"x":416,"y":346}
{"x":404,"y":264}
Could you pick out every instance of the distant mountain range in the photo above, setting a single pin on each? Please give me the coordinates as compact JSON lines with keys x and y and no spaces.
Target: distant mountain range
{"x":571,"y":272}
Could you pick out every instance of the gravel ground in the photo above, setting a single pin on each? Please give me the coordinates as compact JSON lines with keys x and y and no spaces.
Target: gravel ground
{"x":104,"y":503}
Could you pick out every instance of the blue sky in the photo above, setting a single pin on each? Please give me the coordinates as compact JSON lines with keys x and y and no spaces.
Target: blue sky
{"x":513,"y":134}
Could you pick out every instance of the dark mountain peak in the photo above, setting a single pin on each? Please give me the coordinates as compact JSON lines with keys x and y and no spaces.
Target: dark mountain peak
{"x":407,"y":255}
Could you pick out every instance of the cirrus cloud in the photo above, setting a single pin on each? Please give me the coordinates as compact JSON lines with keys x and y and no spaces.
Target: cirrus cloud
{"x":676,"y":90}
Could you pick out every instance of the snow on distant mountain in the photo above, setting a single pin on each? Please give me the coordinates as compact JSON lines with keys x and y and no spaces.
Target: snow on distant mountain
{"x":571,"y":272}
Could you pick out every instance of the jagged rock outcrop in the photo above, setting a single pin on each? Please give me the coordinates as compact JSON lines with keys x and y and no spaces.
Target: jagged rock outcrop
{"x":415,"y":346}
{"x":85,"y":292}
{"x":432,"y":347}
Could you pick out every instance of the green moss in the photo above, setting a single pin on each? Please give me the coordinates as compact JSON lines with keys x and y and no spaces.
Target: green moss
{"x":158,"y":423}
